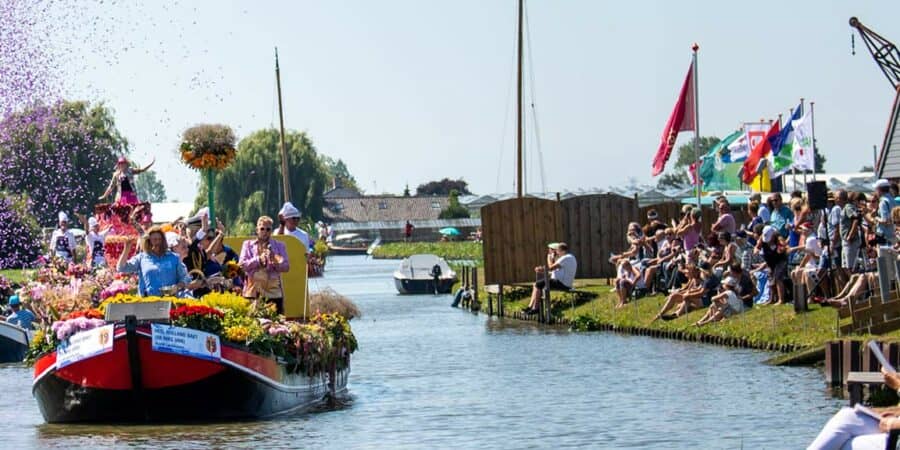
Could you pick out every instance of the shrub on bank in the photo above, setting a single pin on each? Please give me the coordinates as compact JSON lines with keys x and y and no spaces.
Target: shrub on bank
{"x":447,"y":250}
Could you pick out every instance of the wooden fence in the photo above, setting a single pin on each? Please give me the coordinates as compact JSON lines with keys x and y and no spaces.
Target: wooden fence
{"x":516,"y":233}
{"x":594,"y":226}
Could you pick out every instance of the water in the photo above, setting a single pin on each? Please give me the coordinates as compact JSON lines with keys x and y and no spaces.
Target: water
{"x":429,"y":376}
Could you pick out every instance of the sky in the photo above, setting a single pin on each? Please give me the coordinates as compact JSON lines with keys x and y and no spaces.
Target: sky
{"x":409,"y":91}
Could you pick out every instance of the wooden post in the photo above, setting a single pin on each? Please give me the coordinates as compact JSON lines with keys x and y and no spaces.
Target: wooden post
{"x":545,"y":303}
{"x":833,"y":364}
{"x":475,"y":286}
{"x":500,"y":300}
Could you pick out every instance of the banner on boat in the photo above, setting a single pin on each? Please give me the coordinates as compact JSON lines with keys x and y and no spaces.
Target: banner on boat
{"x":85,"y":345}
{"x":185,"y":341}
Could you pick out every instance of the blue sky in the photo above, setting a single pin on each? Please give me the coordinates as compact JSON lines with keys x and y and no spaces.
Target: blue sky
{"x":406,"y":91}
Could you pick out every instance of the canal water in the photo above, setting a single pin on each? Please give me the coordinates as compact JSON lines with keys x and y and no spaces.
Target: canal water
{"x":430,"y":376}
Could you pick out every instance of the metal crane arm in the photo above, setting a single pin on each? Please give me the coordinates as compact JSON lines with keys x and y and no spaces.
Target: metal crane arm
{"x":884,"y":51}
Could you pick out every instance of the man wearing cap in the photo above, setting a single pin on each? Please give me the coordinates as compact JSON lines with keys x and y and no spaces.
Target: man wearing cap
{"x":95,"y":239}
{"x":562,"y":273}
{"x":62,"y":241}
{"x":884,"y":225}
{"x":289,"y":217}
{"x":19,"y":316}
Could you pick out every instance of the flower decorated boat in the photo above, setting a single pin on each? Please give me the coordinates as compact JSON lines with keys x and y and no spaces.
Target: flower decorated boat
{"x":201,"y":364}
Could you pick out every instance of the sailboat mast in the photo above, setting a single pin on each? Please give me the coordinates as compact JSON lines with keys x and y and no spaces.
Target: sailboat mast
{"x":285,"y":179}
{"x":519,"y":106}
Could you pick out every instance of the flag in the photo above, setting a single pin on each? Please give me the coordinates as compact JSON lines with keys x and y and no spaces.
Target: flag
{"x":782,"y":147}
{"x":739,"y":149}
{"x":758,"y":154}
{"x":692,"y":173}
{"x":682,"y":119}
{"x":804,"y":154}
{"x":715,"y":159}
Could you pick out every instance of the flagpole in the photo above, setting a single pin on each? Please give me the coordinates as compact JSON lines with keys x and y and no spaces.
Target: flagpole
{"x":696,"y":47}
{"x":812,"y":118}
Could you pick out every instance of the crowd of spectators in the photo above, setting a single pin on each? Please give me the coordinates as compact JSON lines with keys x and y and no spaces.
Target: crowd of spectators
{"x":729,"y":267}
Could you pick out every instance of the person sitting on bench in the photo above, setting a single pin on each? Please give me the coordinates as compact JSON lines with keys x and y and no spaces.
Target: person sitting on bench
{"x":562,"y":274}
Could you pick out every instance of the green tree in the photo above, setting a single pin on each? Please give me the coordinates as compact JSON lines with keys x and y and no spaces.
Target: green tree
{"x":252,"y":185}
{"x":677,"y":177}
{"x":148,"y":188}
{"x":406,"y":192}
{"x":62,"y":156}
{"x":454,"y":210}
{"x":443,"y":187}
{"x":336,"y":170}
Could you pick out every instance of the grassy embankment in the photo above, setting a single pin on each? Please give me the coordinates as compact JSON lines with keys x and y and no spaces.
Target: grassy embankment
{"x":14,"y":275}
{"x":447,"y":250}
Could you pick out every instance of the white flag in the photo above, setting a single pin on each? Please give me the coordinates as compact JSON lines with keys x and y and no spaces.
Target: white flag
{"x":804,"y":156}
{"x":739,"y":150}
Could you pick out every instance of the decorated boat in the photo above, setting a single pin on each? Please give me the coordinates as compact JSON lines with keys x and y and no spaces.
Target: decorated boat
{"x":148,"y":371}
{"x":13,"y":343}
{"x":424,"y":274}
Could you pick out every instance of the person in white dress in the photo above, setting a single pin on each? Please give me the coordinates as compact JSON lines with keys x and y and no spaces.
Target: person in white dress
{"x":62,"y":241}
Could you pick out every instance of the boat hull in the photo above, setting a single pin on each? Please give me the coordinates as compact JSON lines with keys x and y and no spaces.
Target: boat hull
{"x":13,"y":343}
{"x":175,"y":388}
{"x":347,"y":250}
{"x":420,"y":286}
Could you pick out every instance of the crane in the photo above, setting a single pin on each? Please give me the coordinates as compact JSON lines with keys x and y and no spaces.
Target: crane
{"x":884,"y":51}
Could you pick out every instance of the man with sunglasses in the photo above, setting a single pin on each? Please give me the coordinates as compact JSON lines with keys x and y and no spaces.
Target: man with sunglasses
{"x":264,"y":260}
{"x":289,"y":218}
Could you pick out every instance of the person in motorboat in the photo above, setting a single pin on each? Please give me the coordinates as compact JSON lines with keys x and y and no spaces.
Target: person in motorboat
{"x":21,"y":317}
{"x":160,"y":271}
{"x":62,"y":241}
{"x":289,"y":218}
{"x":562,"y":266}
{"x":264,"y":260}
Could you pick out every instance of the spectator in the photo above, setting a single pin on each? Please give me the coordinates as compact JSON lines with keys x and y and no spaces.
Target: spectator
{"x":764,"y":211}
{"x":774,"y":252}
{"x":689,"y":227}
{"x":851,"y":429}
{"x":753,"y":212}
{"x":19,"y":316}
{"x":94,"y":240}
{"x":692,"y":292}
{"x":780,"y":215}
{"x":884,"y":226}
{"x":562,"y":266}
{"x":851,"y":232}
{"x":725,"y":304}
{"x":807,"y":270}
{"x":626,"y":277}
{"x":408,"y":231}
{"x":746,"y":285}
{"x":62,"y":241}
{"x":725,"y":222}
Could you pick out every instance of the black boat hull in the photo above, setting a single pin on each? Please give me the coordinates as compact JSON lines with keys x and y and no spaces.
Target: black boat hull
{"x":13,"y":343}
{"x":419,"y":287}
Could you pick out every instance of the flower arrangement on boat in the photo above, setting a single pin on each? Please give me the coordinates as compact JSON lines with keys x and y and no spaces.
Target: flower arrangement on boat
{"x":208,"y":147}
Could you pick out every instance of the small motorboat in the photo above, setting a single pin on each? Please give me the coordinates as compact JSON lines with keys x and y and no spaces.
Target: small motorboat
{"x":14,"y":342}
{"x":348,"y":244}
{"x":424,"y":274}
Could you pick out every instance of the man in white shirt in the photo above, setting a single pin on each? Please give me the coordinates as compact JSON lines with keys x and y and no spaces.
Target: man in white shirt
{"x":95,"y":240}
{"x":62,"y":241}
{"x":289,"y":217}
{"x":562,"y":266}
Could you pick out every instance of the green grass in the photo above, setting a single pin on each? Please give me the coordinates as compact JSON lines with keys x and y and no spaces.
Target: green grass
{"x":446,"y":250}
{"x":762,"y":325}
{"x":14,"y":275}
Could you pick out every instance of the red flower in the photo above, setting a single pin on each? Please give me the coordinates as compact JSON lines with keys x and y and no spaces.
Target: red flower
{"x":183,"y":311}
{"x":86,"y":313}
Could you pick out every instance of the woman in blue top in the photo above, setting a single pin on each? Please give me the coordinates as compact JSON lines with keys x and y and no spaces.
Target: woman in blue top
{"x":780,"y":215}
{"x":156,"y":266}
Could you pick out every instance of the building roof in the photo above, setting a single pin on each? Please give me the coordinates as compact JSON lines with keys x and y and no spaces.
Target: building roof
{"x":888,"y":165}
{"x":379,"y":208}
{"x":341,"y":192}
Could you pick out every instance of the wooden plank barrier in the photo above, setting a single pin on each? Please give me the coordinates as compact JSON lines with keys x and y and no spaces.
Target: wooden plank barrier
{"x":871,"y":316}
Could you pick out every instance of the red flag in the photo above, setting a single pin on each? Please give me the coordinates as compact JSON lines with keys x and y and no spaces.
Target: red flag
{"x":682,"y":119}
{"x":692,"y":173}
{"x":763,"y":147}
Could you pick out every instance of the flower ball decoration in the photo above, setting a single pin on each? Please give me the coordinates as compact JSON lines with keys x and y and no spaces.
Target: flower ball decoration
{"x":208,"y":147}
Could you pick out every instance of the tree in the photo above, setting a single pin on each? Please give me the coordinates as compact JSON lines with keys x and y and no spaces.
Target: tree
{"x":148,"y":188}
{"x":338,"y":172}
{"x":61,"y":156}
{"x":406,"y":191}
{"x":19,"y":232}
{"x":677,"y":178}
{"x":252,"y":185}
{"x":454,"y":210}
{"x":443,"y":187}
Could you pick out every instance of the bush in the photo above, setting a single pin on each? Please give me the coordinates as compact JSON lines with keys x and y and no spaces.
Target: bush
{"x":19,"y":232}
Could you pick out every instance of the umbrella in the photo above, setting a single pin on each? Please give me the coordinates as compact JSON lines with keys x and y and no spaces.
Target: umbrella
{"x":449,"y":231}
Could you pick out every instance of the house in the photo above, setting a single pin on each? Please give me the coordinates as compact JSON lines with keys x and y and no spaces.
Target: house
{"x":385,"y":216}
{"x":888,"y":164}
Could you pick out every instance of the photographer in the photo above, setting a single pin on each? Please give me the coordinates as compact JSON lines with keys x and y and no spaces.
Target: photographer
{"x":881,"y":216}
{"x":850,"y":229}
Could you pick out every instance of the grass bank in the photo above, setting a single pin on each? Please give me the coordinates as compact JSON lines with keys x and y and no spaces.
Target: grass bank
{"x":763,"y":326}
{"x":447,"y":250}
{"x":14,"y":275}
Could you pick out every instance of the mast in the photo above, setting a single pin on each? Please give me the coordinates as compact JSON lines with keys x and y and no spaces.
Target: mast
{"x":285,"y":179}
{"x":520,"y":59}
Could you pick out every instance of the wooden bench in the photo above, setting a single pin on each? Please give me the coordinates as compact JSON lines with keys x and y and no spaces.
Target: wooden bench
{"x":871,"y":316}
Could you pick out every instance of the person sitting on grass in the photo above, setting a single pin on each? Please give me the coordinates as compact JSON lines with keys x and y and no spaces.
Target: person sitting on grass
{"x":807,"y":270}
{"x":725,"y":304}
{"x":693,"y":289}
{"x":627,"y":276}
{"x":562,"y":266}
{"x":702,"y":299}
{"x":746,"y":284}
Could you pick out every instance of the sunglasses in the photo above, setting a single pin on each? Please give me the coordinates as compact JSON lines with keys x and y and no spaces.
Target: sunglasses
{"x":264,"y":229}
